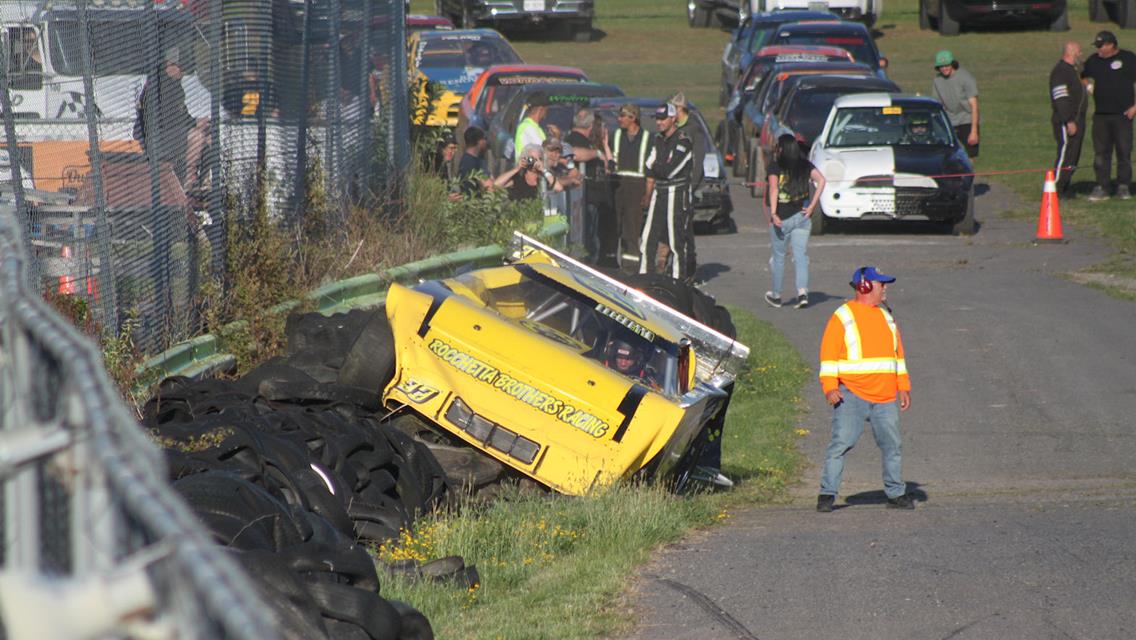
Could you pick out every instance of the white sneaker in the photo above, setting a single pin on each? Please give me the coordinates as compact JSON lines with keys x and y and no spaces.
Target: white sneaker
{"x":711,"y":476}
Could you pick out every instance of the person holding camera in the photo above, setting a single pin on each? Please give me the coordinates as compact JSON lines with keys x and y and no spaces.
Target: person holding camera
{"x":529,"y":177}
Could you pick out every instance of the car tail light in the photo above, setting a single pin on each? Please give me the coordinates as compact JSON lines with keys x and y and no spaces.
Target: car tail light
{"x":489,"y":433}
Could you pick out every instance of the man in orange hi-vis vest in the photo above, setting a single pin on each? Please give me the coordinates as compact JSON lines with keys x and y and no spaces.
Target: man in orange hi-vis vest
{"x":864,"y":377}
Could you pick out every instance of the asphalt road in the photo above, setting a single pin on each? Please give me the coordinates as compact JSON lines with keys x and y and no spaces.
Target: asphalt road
{"x":1019,"y":444}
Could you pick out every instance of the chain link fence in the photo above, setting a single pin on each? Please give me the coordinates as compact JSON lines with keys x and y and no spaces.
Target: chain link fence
{"x":95,"y":543}
{"x":132,"y":126}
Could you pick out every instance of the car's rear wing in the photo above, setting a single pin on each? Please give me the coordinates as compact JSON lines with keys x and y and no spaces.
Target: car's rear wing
{"x":719,"y":357}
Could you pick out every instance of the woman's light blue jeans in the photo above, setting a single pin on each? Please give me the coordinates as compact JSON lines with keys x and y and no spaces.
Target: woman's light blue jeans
{"x":794,"y":231}
{"x":847,"y":424}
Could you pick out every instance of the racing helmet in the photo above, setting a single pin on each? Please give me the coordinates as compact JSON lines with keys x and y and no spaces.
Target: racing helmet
{"x":624,"y":357}
{"x":919,"y":120}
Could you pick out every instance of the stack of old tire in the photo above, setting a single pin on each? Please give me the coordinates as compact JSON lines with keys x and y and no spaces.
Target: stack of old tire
{"x":291,"y":469}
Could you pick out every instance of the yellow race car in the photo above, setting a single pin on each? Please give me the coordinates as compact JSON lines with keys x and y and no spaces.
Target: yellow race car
{"x":451,"y":60}
{"x":559,"y":371}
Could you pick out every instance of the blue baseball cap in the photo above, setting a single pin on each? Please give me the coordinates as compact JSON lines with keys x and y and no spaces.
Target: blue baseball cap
{"x":870,"y":274}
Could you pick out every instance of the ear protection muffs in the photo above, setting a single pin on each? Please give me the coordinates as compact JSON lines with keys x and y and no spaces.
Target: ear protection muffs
{"x":862,"y":284}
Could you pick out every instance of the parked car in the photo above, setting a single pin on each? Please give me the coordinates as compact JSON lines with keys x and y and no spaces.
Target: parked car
{"x":747,"y":40}
{"x":878,"y":166}
{"x":454,"y":60}
{"x":1125,"y":11}
{"x":573,"y":17}
{"x":805,"y":105}
{"x":729,"y":134}
{"x":866,"y":11}
{"x":710,"y":199}
{"x":519,"y":362}
{"x":705,"y":13}
{"x":498,"y":83}
{"x":852,"y":36}
{"x":948,"y":16}
{"x":766,"y":97}
{"x":565,"y":98}
{"x":416,"y":22}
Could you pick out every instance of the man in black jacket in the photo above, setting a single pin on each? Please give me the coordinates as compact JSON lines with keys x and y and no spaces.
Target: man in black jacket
{"x":1112,"y":71}
{"x":668,"y":167}
{"x":1069,"y":100}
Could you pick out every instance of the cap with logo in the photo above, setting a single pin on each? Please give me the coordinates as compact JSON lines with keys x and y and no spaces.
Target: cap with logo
{"x":665,"y":111}
{"x":943,"y":58}
{"x":1103,"y":38}
{"x":869,"y":274}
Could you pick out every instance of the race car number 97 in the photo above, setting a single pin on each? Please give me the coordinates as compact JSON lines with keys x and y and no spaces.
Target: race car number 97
{"x":417,"y":392}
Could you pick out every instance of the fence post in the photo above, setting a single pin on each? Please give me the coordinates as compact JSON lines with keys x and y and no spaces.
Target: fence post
{"x":14,"y":166}
{"x":217,"y":91}
{"x":302,"y":134}
{"x":105,"y":280}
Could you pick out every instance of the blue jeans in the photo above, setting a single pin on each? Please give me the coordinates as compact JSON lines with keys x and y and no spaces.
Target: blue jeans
{"x":847,"y":424}
{"x":794,"y":231}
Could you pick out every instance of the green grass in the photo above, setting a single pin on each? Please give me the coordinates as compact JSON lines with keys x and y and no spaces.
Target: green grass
{"x":554,"y":567}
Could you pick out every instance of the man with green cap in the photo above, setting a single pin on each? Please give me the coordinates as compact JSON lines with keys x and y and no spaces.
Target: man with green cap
{"x":958,"y":91}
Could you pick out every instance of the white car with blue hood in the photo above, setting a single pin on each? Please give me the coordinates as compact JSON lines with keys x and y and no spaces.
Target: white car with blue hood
{"x":892,"y":157}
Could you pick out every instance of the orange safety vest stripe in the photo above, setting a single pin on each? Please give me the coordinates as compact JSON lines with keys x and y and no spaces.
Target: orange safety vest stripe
{"x":879,"y":370}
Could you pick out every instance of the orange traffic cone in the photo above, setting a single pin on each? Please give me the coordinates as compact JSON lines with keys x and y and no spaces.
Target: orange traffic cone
{"x":67,"y":281}
{"x":1049,"y":222}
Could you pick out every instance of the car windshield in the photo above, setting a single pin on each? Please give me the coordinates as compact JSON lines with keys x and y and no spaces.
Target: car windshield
{"x":592,"y":327}
{"x":501,"y":89}
{"x":858,"y":45}
{"x":889,"y":126}
{"x":806,"y":114}
{"x":457,"y":60}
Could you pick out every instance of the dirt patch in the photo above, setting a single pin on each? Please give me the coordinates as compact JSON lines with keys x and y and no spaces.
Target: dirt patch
{"x":1104,"y":280}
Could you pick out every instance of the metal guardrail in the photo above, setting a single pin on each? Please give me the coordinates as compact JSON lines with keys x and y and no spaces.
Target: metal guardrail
{"x":95,"y":542}
{"x":201,"y":357}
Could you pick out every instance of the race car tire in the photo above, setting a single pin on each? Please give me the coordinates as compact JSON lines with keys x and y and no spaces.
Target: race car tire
{"x":1061,"y":22}
{"x":696,"y":14}
{"x":415,"y":626}
{"x":756,"y":170}
{"x":948,"y":26}
{"x":820,"y":225}
{"x":741,"y":157}
{"x":1126,"y":14}
{"x":583,"y":31}
{"x":1097,"y":11}
{"x":966,"y":225}
{"x":369,"y":364}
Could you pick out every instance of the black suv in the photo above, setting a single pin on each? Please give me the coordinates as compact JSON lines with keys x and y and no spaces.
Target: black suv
{"x":574,"y":17}
{"x":948,"y":16}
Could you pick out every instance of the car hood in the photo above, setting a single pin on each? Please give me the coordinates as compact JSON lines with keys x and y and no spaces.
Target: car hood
{"x":898,"y":160}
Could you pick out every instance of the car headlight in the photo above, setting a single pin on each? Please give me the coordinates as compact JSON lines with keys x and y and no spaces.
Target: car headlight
{"x":833,"y":171}
{"x":710,"y":166}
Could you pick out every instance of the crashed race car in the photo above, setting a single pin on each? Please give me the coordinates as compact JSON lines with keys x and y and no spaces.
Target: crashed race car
{"x":556,"y":370}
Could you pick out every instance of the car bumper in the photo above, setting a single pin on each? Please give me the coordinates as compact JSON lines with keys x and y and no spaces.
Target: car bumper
{"x":534,"y":12}
{"x":978,"y":13}
{"x":937,"y":204}
{"x":711,"y":201}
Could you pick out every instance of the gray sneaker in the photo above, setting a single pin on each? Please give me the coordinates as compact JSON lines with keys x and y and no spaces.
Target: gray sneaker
{"x":803,"y":301}
{"x":1099,"y":194}
{"x":772,"y":300}
{"x":1122,"y":192}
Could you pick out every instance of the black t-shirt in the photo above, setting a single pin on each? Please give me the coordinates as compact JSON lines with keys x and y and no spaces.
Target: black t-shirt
{"x":520,"y":190}
{"x":469,"y":165}
{"x":792,"y":187}
{"x":1113,"y":78}
{"x":578,"y":141}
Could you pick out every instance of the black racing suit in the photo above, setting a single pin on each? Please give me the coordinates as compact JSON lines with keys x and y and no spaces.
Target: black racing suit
{"x":667,"y":214}
{"x":1068,"y":98}
{"x":694,"y":132}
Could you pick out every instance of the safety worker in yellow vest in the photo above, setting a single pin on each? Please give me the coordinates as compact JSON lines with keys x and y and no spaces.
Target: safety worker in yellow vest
{"x":529,"y":131}
{"x":629,"y":146}
{"x":863,"y":374}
